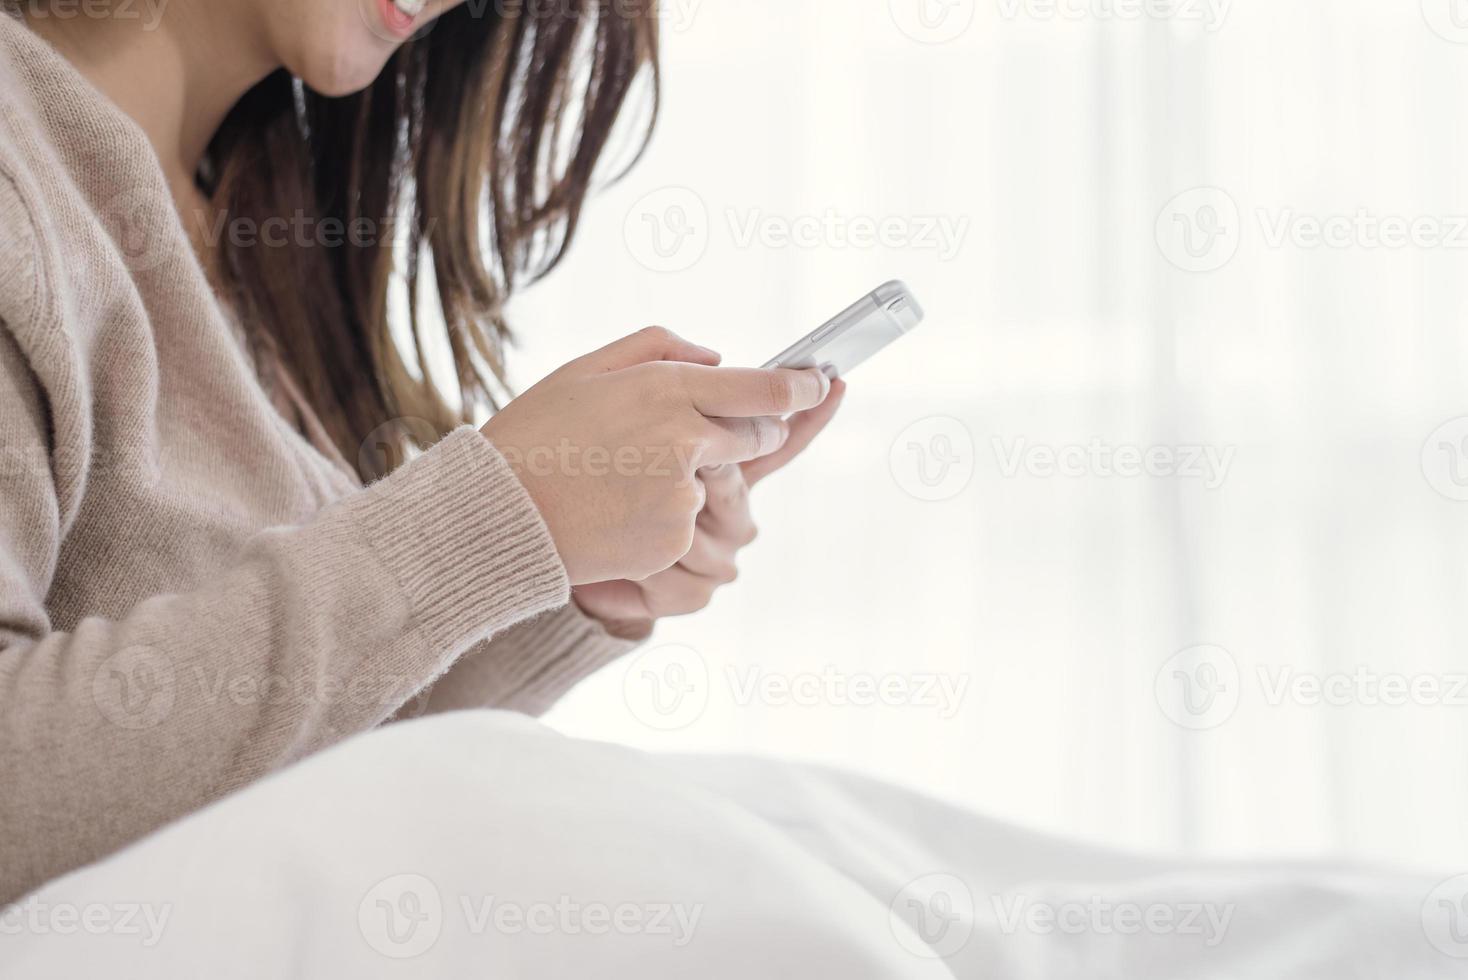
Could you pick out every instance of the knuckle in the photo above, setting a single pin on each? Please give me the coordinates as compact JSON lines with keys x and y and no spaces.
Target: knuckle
{"x":697,"y":447}
{"x":781,"y":390}
{"x":680,"y":540}
{"x":771,"y":435}
{"x":749,"y":535}
{"x":643,"y":375}
{"x":656,"y":334}
{"x":719,"y":476}
{"x":751,"y":437}
{"x":688,"y":499}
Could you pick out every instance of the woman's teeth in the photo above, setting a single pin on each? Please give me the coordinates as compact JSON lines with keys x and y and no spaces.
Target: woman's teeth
{"x":411,"y":8}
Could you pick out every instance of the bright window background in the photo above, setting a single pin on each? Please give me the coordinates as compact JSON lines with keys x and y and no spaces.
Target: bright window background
{"x":1052,"y":145}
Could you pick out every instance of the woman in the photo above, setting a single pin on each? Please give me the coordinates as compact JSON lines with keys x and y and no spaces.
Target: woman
{"x":196,"y":588}
{"x":202,"y":206}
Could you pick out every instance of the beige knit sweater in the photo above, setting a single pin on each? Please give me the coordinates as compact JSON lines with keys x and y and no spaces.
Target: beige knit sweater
{"x":191,"y":594}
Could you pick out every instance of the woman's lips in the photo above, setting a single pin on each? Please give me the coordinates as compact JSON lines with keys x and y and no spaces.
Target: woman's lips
{"x":399,"y":15}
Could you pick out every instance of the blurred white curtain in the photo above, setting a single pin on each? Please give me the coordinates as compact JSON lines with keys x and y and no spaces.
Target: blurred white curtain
{"x":1018,"y":175}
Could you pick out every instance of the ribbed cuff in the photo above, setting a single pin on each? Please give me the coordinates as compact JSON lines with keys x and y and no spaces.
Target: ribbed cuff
{"x":545,"y":658}
{"x":464,"y":539}
{"x":530,"y":667}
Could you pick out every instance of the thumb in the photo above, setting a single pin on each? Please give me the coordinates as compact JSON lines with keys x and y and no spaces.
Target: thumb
{"x":649,"y":344}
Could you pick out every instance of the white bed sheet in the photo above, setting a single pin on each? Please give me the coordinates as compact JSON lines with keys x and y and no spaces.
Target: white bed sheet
{"x":482,"y":844}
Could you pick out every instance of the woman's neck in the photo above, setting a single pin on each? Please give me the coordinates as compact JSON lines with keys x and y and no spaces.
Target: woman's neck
{"x":176,"y":74}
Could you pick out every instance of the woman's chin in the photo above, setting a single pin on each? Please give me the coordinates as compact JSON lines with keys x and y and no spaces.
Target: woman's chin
{"x":346,"y":72}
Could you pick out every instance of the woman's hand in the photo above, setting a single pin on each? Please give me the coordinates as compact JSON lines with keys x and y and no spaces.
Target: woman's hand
{"x":609,"y":446}
{"x":723,"y":528}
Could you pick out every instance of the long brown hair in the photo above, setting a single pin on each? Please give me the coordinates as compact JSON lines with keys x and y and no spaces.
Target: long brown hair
{"x":475,"y":149}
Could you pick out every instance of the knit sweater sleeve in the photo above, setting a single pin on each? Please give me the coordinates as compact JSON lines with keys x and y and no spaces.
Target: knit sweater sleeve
{"x":120,"y":724}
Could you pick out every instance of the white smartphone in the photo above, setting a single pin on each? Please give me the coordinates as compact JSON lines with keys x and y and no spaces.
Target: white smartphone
{"x":856,"y":333}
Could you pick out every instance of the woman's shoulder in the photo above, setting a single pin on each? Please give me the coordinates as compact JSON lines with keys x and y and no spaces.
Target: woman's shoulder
{"x":74,"y":174}
{"x":27,"y":151}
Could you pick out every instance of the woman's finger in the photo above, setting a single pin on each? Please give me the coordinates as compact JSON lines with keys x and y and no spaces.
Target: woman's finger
{"x":737,"y":440}
{"x":742,"y":393}
{"x":649,"y":344}
{"x":677,"y":592}
{"x":725,"y":490}
{"x":803,"y":430}
{"x":726,"y":514}
{"x":711,"y":557}
{"x":613,"y":601}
